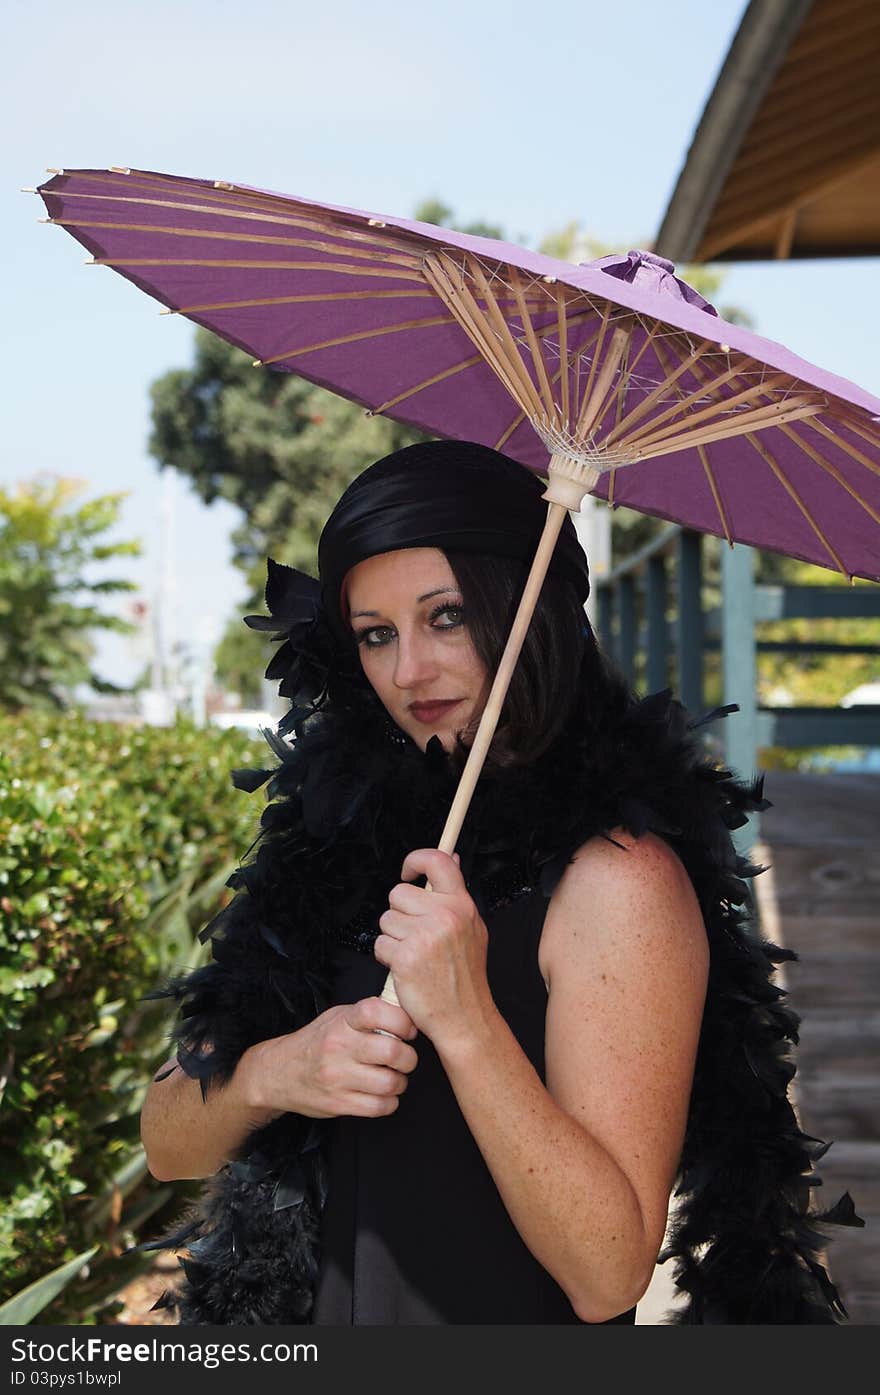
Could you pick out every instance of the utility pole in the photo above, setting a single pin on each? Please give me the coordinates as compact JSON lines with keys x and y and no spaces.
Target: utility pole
{"x":159,"y":702}
{"x":170,"y":674}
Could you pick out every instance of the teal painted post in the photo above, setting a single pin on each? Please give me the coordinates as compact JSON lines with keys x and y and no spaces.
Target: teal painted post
{"x":655,"y":608}
{"x":739,"y":671}
{"x":626,"y":636}
{"x":690,"y":622}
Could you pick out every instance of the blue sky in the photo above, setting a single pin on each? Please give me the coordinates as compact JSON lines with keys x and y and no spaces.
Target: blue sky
{"x":524,"y":115}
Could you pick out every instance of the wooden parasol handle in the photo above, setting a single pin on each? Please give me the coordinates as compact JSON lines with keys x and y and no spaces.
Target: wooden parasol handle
{"x":556,"y":513}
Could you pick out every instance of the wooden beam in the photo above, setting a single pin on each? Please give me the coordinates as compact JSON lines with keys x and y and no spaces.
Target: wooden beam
{"x":722,"y":234}
{"x":785,"y":233}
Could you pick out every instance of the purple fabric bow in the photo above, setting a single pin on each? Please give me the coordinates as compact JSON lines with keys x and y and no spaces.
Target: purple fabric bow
{"x":652,"y":273}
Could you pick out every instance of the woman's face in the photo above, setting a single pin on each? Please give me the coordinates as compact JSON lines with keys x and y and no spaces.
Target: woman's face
{"x":405,"y":610}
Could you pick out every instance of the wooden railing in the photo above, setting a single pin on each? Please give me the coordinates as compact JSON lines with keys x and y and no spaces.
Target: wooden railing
{"x":653,"y":618}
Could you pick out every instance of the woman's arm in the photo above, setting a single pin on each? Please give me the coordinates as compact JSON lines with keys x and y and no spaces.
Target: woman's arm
{"x":585,"y":1165}
{"x":338,"y":1064}
{"x":185,"y":1136}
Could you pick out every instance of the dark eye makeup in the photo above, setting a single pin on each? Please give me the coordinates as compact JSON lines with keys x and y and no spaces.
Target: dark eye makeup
{"x":364,"y":636}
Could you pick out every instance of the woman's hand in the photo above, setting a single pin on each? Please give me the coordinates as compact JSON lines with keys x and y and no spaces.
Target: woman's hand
{"x":434,"y":942}
{"x":353,"y":1059}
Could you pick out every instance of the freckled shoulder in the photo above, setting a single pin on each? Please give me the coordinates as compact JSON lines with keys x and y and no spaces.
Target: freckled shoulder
{"x":614,"y":882}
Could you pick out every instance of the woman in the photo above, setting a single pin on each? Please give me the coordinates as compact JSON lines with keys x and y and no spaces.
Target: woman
{"x":583,"y":1016}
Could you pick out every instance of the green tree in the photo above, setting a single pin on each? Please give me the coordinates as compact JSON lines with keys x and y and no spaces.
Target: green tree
{"x":49,"y":603}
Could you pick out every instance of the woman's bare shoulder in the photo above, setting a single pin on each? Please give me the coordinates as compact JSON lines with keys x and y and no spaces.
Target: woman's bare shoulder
{"x":621,"y":889}
{"x":621,"y":854}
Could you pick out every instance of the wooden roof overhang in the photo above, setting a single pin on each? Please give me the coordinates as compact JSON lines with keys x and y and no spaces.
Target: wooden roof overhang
{"x":785,"y":162}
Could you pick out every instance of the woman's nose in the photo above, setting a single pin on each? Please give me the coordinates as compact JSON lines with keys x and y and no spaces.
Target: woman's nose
{"x":415,"y":661}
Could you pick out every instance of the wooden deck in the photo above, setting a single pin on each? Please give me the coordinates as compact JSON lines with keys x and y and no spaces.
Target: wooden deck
{"x":821,"y":897}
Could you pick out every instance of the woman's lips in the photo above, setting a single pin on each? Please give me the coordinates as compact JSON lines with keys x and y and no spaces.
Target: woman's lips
{"x":429,"y":711}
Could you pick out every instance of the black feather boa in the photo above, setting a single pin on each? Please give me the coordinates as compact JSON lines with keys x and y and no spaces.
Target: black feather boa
{"x":350,"y":798}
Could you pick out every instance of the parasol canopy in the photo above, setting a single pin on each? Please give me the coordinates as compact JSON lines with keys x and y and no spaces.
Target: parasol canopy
{"x":615,"y":368}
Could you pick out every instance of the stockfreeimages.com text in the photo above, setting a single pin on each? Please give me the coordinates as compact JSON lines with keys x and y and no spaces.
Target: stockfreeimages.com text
{"x":209,"y":1355}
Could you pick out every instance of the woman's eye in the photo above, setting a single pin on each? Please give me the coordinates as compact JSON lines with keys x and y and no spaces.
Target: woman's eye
{"x":456,"y":611}
{"x":374,"y":638}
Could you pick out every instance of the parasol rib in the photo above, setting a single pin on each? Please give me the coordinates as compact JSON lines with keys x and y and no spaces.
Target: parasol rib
{"x":852,"y":451}
{"x":861,"y":428}
{"x":769,"y":459}
{"x":508,"y":432}
{"x":529,"y":393}
{"x":264,"y":240}
{"x":619,"y":395}
{"x":816,"y":425}
{"x":562,"y":327}
{"x":591,"y":405}
{"x":457,"y":298}
{"x":643,"y":407}
{"x":547,"y":330}
{"x":522,"y":416}
{"x":628,"y":368}
{"x":704,"y":460}
{"x":227,"y":200}
{"x":622,"y":385}
{"x":473,"y":325}
{"x":650,"y":339}
{"x":597,"y":353}
{"x":356,"y":338}
{"x":779,"y":412}
{"x":389,"y":273}
{"x":648,"y":433}
{"x":428,"y":382}
{"x":534,"y":347}
{"x":832,"y":470}
{"x":312,"y":298}
{"x":220,"y":210}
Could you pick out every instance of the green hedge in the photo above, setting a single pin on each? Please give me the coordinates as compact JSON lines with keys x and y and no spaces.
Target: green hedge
{"x":114,"y":846}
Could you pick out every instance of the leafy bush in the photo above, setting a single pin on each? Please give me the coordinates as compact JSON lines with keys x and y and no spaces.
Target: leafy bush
{"x":114,"y":847}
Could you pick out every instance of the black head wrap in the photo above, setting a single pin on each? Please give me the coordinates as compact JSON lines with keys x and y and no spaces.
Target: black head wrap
{"x":454,"y":495}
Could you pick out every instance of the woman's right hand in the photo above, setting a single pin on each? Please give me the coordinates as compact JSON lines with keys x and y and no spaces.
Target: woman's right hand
{"x":354,"y":1059}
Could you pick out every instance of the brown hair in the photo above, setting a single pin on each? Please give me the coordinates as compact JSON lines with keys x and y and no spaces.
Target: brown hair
{"x":559,"y":655}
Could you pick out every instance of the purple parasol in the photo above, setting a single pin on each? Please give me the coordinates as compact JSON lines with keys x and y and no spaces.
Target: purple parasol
{"x":616,"y":365}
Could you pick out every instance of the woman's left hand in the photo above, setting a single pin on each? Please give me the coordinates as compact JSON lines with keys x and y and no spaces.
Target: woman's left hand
{"x":435,"y":942}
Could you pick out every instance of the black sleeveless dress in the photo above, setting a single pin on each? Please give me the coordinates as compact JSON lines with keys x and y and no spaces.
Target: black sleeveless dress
{"x":414,"y":1230}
